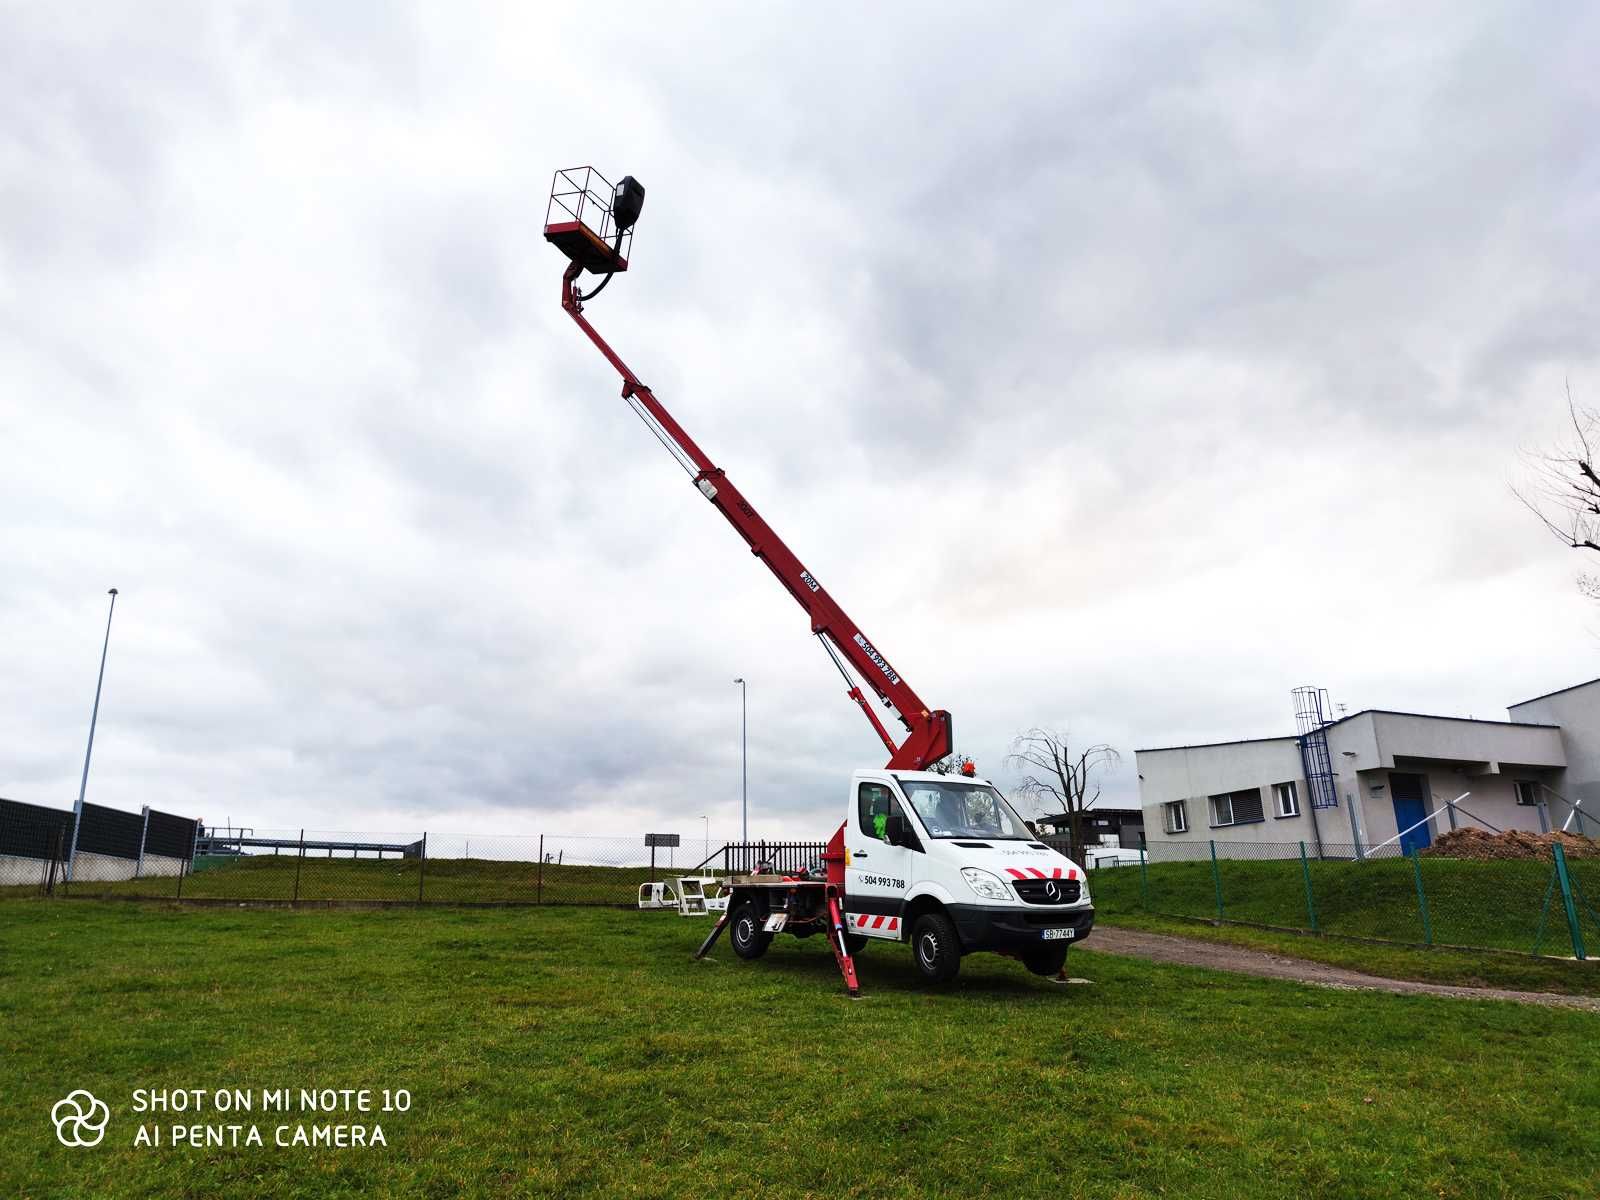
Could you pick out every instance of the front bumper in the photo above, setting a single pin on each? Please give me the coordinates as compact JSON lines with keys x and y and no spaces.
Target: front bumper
{"x":984,"y":928}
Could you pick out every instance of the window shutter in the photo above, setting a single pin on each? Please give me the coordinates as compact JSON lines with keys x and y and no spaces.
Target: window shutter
{"x":1246,"y":806}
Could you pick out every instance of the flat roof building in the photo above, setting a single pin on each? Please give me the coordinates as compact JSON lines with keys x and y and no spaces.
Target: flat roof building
{"x":1384,"y":779}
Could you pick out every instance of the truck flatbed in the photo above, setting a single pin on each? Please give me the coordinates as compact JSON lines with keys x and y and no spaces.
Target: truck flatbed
{"x":780,"y":882}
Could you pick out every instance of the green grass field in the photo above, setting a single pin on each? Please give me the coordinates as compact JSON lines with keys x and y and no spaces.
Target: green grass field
{"x":573,"y":1052}
{"x":1503,"y":905}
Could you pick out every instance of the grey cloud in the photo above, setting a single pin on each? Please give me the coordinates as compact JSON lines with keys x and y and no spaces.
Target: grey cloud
{"x":1120,"y":369}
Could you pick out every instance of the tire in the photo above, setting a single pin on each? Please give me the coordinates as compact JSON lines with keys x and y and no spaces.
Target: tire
{"x":1047,"y":960}
{"x":936,"y":947}
{"x":749,"y":940}
{"x":855,"y":943}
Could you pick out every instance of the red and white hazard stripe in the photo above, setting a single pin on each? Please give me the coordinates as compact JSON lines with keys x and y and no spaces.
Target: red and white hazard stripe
{"x":870,"y":923}
{"x":1036,"y":873}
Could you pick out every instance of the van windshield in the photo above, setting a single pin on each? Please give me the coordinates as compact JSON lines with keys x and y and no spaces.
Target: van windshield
{"x":949,"y":809}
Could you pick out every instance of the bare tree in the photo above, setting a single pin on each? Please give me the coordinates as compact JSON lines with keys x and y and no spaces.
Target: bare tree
{"x":1563,"y":488}
{"x":1057,"y":777}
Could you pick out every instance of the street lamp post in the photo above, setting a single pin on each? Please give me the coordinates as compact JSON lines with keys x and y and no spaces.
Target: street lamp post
{"x":94,"y":716}
{"x":744,"y":763}
{"x":707,"y":820}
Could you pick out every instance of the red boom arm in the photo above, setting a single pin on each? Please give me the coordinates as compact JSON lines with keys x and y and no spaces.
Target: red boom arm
{"x":928,"y":731}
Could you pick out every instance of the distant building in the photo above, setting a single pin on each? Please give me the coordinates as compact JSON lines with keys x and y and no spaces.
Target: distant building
{"x":1101,"y":826}
{"x":1382,"y":773}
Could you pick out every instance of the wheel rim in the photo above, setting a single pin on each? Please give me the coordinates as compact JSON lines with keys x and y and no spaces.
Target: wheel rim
{"x":744,"y":931}
{"x":928,"y":949}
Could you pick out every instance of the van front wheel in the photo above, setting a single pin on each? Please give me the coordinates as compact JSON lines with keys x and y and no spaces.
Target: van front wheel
{"x":936,"y":947}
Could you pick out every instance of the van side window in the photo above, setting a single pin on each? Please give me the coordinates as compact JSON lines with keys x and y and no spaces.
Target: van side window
{"x":873,"y":801}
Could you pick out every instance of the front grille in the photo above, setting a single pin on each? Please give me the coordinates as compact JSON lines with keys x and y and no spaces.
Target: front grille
{"x":1049,"y":920}
{"x":1037,"y":891}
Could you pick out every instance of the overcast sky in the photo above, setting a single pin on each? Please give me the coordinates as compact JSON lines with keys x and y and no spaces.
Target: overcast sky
{"x":1118,"y":368}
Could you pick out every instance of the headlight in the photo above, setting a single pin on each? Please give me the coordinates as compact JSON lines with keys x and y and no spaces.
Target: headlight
{"x":985,"y":884}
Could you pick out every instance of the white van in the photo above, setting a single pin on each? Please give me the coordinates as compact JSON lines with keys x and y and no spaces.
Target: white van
{"x":940,"y":861}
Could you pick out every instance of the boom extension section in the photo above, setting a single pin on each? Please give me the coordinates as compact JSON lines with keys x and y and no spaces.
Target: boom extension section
{"x":928,"y":735}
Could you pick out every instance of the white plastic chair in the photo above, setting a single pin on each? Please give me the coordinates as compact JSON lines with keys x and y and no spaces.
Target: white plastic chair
{"x":657,"y":895}
{"x":692,"y":896}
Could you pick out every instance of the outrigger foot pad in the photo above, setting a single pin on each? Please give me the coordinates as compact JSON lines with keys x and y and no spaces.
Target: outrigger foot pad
{"x":711,"y":938}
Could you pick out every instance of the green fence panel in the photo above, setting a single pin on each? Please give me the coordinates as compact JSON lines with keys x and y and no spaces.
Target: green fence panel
{"x":1422,"y":897}
{"x":1569,"y":901}
{"x":1216,"y":877}
{"x":1311,"y":902}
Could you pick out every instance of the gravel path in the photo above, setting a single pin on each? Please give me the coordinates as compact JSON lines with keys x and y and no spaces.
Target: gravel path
{"x":1160,"y":947}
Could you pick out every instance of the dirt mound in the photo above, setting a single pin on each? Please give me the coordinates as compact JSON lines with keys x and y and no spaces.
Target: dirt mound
{"x":1514,"y":843}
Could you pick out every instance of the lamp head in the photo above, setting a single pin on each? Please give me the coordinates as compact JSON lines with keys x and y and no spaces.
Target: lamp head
{"x":627,"y":202}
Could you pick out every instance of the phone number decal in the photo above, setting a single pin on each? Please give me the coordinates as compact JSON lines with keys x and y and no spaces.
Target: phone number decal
{"x":882,"y":881}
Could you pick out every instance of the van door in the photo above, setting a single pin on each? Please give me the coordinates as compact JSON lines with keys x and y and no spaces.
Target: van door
{"x":877,"y":875}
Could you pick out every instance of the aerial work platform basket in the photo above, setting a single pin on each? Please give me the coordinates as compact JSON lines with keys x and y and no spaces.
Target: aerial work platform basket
{"x":590,"y":220}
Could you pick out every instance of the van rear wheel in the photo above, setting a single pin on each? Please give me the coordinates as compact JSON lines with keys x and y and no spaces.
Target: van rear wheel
{"x":744,"y":931}
{"x":936,"y":947}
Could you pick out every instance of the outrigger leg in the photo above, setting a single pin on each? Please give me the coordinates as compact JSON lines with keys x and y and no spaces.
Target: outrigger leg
{"x":841,"y":951}
{"x":716,"y":932}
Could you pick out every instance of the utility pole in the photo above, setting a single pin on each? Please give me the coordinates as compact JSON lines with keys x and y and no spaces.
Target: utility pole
{"x":94,"y":716}
{"x":744,"y":762}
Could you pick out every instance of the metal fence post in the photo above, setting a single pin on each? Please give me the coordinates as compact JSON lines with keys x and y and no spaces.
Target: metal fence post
{"x":298,"y":860}
{"x":539,"y":894}
{"x":144,"y":833}
{"x":188,"y":861}
{"x":58,"y":855}
{"x":1311,"y":904}
{"x":1566,"y":900}
{"x":422,"y":866}
{"x":1144,"y":879}
{"x":1216,"y":877}
{"x":1422,"y":897}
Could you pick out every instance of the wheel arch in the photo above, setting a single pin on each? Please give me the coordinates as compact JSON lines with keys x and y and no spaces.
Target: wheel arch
{"x":925,"y":901}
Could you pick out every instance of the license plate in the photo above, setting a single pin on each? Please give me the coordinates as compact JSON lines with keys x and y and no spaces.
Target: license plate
{"x":776,"y":922}
{"x":1059,"y":935}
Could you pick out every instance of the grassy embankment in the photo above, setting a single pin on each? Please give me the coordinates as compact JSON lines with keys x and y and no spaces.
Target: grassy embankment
{"x":1496,"y":905}
{"x":481,"y":881}
{"x":1493,"y":905}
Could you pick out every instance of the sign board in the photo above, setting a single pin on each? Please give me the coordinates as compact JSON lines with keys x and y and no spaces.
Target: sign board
{"x":661,"y":839}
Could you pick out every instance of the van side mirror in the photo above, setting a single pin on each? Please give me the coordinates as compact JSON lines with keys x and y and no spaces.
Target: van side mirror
{"x":894,"y":829}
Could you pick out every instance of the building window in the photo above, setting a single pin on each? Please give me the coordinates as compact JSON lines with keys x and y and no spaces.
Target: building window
{"x":1528,"y":793}
{"x":1285,"y":799}
{"x":1236,"y":808}
{"x":1175,"y":817}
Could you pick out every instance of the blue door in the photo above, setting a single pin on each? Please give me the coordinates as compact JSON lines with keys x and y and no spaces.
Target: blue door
{"x":1409,"y":808}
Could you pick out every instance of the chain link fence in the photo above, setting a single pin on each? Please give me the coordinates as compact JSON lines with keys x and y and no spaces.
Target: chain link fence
{"x":305,"y":866}
{"x":1545,"y":905}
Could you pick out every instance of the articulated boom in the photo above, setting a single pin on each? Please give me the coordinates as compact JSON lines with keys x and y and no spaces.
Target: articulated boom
{"x":928,"y":731}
